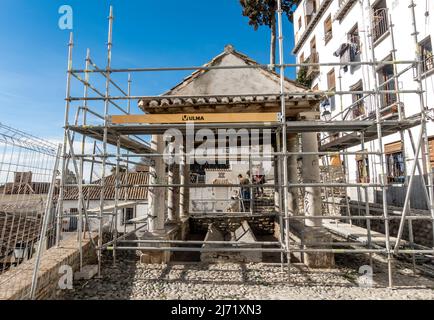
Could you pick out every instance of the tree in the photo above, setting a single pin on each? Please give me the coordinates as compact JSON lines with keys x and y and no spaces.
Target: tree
{"x":121,"y":170}
{"x":302,"y":77}
{"x":263,"y":12}
{"x":70,"y":177}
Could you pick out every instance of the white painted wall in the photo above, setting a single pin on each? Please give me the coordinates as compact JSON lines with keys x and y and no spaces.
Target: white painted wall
{"x":213,"y":194}
{"x":405,"y":50}
{"x":141,"y":210}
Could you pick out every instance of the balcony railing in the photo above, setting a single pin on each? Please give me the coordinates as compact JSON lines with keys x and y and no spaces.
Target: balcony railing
{"x":328,"y":36}
{"x":312,"y":71}
{"x":380,"y":23}
{"x":428,"y":63}
{"x":388,"y":99}
{"x":358,"y":110}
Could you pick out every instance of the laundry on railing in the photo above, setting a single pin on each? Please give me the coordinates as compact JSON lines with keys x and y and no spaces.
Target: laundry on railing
{"x":347,"y":52}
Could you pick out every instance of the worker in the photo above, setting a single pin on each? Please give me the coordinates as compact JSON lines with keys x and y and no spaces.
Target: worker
{"x":245,"y":191}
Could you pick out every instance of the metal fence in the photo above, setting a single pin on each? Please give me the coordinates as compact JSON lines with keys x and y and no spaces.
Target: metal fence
{"x":28,"y":168}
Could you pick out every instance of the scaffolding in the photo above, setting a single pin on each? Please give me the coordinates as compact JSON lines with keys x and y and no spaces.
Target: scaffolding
{"x":93,"y":143}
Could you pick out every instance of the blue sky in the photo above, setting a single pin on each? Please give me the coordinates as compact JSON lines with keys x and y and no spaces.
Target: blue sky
{"x":33,"y":50}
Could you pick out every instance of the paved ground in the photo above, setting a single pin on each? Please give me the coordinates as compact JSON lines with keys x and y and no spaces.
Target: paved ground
{"x":131,"y":280}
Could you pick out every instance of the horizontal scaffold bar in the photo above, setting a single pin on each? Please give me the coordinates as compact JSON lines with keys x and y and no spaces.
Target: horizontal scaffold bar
{"x":196,"y":118}
{"x":228,"y":155}
{"x":291,"y":126}
{"x":265,"y":243}
{"x":259,"y":249}
{"x":274,"y":243}
{"x":208,"y":185}
{"x":289,"y":94}
{"x":252,"y":66}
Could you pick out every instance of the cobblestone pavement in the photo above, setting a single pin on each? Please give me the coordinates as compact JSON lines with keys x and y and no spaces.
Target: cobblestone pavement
{"x":131,"y":280}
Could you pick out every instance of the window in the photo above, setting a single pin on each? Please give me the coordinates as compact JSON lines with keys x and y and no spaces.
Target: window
{"x":362,"y":168}
{"x":394,"y":162}
{"x":386,"y":82}
{"x":353,"y":36}
{"x":127,"y":215}
{"x":70,"y":220}
{"x":380,"y":23}
{"x":328,"y":34}
{"x":313,"y":71}
{"x":335,"y":161}
{"x":313,"y":45}
{"x":197,"y":171}
{"x":354,"y":41}
{"x":299,"y":23}
{"x":426,"y":54}
{"x":358,"y":106}
{"x":331,"y":83}
{"x":301,"y":58}
{"x":431,"y":150}
{"x":310,"y":10}
{"x":331,"y":80}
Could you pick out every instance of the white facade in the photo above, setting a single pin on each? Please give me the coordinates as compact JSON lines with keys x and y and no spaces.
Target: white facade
{"x":140,"y":209}
{"x":368,"y":18}
{"x":218,"y":199}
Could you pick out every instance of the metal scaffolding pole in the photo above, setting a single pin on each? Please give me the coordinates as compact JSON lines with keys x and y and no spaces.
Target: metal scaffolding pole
{"x":426,"y":150}
{"x":284,"y":132}
{"x":382,"y":158}
{"x":104,"y":150}
{"x":65,"y":142}
{"x":254,"y":66}
{"x":320,"y":93}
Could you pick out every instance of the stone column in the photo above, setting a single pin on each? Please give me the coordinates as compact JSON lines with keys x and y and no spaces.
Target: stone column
{"x":156,"y":195}
{"x":184,"y":178}
{"x":277,"y":173}
{"x":172,"y":205}
{"x":313,"y":230}
{"x":292,"y":146}
{"x":310,"y":174}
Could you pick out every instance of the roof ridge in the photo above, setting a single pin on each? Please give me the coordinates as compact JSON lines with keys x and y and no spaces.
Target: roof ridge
{"x":229,"y":49}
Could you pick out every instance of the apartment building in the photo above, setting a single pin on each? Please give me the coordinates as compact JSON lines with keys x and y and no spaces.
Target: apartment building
{"x":363,"y":30}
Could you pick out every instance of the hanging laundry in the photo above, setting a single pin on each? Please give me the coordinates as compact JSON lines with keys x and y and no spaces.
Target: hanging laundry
{"x":344,"y":53}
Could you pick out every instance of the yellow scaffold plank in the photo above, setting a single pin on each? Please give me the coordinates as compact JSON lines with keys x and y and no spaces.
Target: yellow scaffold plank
{"x":197,"y":117}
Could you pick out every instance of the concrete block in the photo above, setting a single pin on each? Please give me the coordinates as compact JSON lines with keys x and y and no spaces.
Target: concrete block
{"x":318,"y":259}
{"x":149,"y":257}
{"x":87,"y":272}
{"x":242,"y":234}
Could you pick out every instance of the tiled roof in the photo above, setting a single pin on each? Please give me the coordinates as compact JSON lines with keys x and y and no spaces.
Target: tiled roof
{"x":21,"y":226}
{"x":164,"y":102}
{"x":130,"y":193}
{"x":174,"y":97}
{"x":249,"y":61}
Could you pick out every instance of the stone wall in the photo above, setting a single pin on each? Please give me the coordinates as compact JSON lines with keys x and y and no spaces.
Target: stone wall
{"x":16,"y":283}
{"x":261,"y":225}
{"x":242,"y":234}
{"x":422,"y":229}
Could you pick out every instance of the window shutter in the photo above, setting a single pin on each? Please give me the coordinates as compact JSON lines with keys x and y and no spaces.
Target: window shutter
{"x":431,"y":151}
{"x":393,"y":147}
